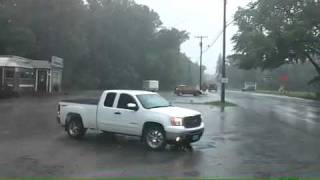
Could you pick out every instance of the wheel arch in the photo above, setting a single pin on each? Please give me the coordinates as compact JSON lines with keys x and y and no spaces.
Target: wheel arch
{"x":72,"y":116}
{"x":147,"y":142}
{"x":149,"y":124}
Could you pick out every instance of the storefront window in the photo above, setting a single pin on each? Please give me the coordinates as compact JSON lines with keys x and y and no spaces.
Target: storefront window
{"x":27,"y":74}
{"x":9,"y":73}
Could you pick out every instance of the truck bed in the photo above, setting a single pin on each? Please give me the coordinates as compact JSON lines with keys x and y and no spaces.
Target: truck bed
{"x":83,"y":101}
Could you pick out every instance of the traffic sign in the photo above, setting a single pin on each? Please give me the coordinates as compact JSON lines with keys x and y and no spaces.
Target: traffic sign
{"x":267,"y":78}
{"x":225,"y":80}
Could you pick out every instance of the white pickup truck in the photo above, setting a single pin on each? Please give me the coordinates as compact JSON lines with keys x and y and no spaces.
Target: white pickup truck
{"x":135,"y":113}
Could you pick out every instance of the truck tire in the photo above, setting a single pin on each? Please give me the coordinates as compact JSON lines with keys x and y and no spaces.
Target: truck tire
{"x":75,"y":129}
{"x":155,"y":138}
{"x":196,"y":94}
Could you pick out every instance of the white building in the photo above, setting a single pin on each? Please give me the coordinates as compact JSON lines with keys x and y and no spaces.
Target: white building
{"x":26,"y":75}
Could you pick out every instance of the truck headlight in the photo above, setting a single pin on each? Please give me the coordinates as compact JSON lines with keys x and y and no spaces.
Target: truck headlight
{"x":175,"y":121}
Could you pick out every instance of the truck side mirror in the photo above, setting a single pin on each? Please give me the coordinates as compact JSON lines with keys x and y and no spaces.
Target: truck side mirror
{"x":132,"y":106}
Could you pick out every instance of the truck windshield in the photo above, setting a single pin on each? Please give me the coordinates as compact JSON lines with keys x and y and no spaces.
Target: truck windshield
{"x":150,"y":101}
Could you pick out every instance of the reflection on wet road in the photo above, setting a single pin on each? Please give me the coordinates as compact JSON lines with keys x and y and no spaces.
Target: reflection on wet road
{"x":263,"y":136}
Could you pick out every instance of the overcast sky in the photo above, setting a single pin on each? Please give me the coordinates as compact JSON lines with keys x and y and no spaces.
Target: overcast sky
{"x":198,"y":17}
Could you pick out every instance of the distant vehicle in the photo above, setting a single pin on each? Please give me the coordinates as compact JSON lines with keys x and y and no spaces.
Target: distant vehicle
{"x":249,"y":86}
{"x":184,"y":89}
{"x":204,"y":87}
{"x":151,"y":85}
{"x":213,"y":87}
{"x":135,"y":113}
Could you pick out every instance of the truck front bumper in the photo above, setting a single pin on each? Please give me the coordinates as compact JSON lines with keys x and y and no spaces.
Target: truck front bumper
{"x":184,"y":136}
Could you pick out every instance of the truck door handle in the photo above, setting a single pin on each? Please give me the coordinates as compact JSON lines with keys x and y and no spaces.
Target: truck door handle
{"x":117,"y":113}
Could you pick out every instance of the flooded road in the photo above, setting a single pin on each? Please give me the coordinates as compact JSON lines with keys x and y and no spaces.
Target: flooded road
{"x":264,"y":136}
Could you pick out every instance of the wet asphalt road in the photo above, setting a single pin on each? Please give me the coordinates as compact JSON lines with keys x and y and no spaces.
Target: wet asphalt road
{"x":264,"y":136}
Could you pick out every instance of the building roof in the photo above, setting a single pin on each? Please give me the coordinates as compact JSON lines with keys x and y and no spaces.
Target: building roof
{"x":40,"y":64}
{"x":15,"y":61}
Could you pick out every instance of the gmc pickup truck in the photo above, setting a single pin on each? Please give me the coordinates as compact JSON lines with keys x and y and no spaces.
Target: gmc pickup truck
{"x":135,"y":113}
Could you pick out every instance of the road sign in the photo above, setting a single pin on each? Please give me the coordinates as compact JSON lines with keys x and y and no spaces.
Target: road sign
{"x":267,"y":78}
{"x":225,"y":80}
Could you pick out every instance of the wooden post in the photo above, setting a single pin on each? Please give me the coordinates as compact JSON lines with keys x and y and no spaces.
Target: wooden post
{"x":50,"y":80}
{"x":2,"y":77}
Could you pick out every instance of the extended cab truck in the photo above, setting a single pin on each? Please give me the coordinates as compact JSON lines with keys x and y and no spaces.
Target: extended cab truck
{"x":137,"y":113}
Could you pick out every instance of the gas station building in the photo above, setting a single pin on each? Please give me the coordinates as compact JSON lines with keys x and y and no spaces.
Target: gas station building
{"x":27,"y":75}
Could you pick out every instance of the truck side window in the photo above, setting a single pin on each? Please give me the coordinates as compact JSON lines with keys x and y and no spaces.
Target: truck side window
{"x":124,"y":100}
{"x":110,"y":99}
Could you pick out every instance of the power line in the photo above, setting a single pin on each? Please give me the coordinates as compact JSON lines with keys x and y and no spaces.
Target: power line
{"x":224,"y":79}
{"x":216,"y":39}
{"x":228,"y":24}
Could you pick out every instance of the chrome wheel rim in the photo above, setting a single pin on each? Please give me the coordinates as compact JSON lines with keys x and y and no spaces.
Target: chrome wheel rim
{"x":74,"y":130}
{"x":155,"y":138}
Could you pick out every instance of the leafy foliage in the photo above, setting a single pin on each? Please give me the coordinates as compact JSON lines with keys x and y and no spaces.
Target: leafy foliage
{"x":105,"y":43}
{"x":271,"y":79}
{"x":276,"y":32}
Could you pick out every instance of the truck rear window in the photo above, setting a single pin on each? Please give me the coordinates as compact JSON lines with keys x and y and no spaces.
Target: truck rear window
{"x":110,"y":99}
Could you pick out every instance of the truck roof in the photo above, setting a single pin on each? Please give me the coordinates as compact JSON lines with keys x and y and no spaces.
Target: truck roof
{"x":131,"y":92}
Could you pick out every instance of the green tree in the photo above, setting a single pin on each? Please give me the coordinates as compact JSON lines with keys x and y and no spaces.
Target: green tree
{"x":105,"y":43}
{"x":276,"y":32}
{"x":40,"y":29}
{"x":14,"y":37}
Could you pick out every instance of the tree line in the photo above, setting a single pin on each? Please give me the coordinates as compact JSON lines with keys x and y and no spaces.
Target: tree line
{"x":290,"y":76}
{"x":106,"y":44}
{"x":277,"y":33}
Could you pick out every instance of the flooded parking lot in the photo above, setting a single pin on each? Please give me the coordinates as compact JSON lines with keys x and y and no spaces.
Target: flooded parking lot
{"x":255,"y":138}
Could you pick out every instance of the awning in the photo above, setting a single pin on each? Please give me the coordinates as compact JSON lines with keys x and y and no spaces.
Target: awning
{"x":38,"y":64}
{"x":13,"y":61}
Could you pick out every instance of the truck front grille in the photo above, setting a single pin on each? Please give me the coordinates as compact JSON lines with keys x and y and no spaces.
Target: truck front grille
{"x":192,"y":122}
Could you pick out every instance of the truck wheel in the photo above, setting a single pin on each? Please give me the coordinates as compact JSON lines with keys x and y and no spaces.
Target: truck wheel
{"x":196,"y":94}
{"x":75,"y":129}
{"x":155,"y":138}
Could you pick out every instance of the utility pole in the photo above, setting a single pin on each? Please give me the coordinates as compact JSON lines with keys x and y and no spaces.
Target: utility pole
{"x":190,"y":74}
{"x":223,"y":84}
{"x":201,"y":46}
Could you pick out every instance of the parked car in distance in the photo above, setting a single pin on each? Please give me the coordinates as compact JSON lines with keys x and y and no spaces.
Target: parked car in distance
{"x":249,"y":86}
{"x":184,"y":89}
{"x":135,"y":113}
{"x":213,"y":87}
{"x":150,"y":85}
